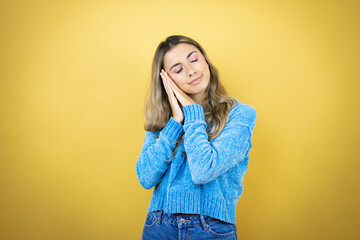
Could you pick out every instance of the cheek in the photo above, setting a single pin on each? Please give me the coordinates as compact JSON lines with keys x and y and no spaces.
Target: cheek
{"x":176,"y":79}
{"x":205,"y":66}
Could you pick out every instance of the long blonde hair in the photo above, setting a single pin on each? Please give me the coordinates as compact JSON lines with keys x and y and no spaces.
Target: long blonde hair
{"x":157,"y":107}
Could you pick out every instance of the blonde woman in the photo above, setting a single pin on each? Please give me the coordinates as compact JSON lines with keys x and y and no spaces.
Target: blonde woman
{"x":196,"y":148}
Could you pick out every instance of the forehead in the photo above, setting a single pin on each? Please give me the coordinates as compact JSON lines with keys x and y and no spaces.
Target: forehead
{"x":179,"y":53}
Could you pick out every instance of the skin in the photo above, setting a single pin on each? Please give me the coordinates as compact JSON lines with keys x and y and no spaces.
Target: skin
{"x":177,"y":80}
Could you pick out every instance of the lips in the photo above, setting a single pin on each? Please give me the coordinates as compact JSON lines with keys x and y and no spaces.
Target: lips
{"x":196,"y":80}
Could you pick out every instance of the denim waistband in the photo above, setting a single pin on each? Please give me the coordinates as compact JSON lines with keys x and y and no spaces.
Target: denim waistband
{"x":176,"y":218}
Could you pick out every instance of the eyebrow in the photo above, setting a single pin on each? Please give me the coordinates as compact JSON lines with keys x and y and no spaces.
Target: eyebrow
{"x":179,"y":63}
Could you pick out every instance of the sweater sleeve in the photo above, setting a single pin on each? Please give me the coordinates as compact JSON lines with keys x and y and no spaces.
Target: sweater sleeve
{"x":209,"y":159}
{"x":153,"y":162}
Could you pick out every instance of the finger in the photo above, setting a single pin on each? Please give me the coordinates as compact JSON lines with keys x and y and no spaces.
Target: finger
{"x":164,"y":83}
{"x":168,"y":88}
{"x":178,"y":92}
{"x":174,"y":88}
{"x":171,"y":82}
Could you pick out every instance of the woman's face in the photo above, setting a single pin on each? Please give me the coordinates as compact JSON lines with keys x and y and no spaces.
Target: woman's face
{"x":188,"y":68}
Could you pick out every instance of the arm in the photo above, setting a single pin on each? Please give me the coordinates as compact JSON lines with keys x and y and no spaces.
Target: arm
{"x":208,"y":160}
{"x":151,"y":164}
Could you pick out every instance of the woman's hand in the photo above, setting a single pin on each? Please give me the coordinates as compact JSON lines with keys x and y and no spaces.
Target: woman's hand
{"x":175,"y":107}
{"x":183,"y":98}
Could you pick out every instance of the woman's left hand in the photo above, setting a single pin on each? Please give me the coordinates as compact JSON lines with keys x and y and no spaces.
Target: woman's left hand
{"x":183,"y":98}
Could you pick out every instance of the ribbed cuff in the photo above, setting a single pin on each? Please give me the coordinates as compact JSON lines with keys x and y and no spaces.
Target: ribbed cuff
{"x":193,"y":113}
{"x":172,"y":130}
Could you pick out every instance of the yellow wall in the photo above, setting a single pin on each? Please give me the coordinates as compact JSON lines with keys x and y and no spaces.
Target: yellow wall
{"x":73,"y":76}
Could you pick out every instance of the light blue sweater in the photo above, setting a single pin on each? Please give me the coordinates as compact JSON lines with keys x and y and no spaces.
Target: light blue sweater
{"x":207,"y":179}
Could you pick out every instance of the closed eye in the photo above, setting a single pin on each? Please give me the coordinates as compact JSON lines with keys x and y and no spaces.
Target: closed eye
{"x":181,"y":68}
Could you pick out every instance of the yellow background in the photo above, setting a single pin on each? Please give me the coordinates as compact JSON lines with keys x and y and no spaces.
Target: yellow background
{"x":73,"y":77}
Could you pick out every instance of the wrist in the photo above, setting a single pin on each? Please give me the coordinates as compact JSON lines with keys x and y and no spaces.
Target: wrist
{"x":179,"y":120}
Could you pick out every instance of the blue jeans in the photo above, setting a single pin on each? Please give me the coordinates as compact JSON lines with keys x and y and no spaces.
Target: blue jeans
{"x":160,"y":225}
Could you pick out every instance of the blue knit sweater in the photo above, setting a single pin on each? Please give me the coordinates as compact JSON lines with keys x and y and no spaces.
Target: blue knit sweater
{"x":207,"y":179}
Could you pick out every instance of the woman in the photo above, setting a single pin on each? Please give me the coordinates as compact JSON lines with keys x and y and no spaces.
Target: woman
{"x":196,"y":147}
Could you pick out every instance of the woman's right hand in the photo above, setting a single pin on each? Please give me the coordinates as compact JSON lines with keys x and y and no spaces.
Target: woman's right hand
{"x":175,"y":107}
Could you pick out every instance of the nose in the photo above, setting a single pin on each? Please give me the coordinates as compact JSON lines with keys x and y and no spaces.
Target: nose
{"x":191,"y":71}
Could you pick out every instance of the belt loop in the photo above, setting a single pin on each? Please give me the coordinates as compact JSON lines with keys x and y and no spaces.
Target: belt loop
{"x":203,"y":222}
{"x":160,"y":215}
